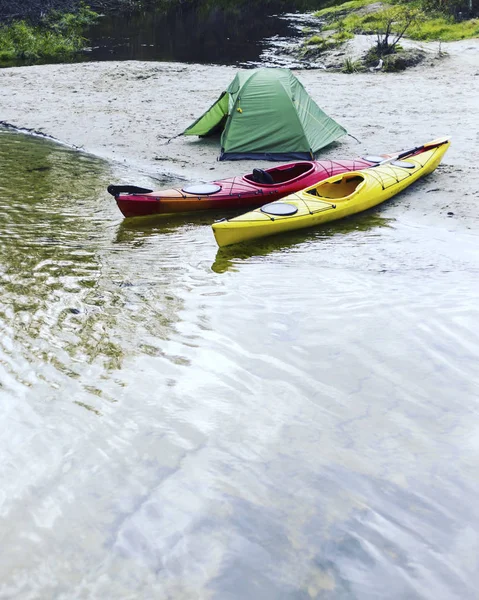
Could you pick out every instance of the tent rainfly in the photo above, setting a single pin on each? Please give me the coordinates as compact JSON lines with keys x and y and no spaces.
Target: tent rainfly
{"x":267,"y":114}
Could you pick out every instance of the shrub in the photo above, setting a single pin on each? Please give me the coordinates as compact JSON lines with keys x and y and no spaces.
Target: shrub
{"x":70,"y":23}
{"x":391,"y":24}
{"x":57,"y":36}
{"x":352,"y":66}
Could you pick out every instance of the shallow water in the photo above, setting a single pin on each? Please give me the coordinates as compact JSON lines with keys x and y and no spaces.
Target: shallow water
{"x":293,"y":419}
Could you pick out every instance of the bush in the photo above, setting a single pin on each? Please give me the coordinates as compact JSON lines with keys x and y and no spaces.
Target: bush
{"x":28,"y":43}
{"x":57,"y":36}
{"x":70,"y":23}
{"x":392,"y":25}
{"x":352,"y":66}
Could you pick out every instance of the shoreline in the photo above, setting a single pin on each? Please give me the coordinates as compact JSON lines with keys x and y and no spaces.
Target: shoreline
{"x":126,"y":111}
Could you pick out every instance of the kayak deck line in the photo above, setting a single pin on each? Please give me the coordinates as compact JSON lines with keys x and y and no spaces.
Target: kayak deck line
{"x":239,"y":192}
{"x":336,"y":197}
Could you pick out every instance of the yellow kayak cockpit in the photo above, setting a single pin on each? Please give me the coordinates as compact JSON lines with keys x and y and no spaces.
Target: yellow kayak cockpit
{"x":342,"y":187}
{"x":334,"y":198}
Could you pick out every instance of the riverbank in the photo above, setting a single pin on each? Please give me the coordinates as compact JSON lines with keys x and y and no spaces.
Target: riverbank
{"x":329,"y":39}
{"x":126,"y":112}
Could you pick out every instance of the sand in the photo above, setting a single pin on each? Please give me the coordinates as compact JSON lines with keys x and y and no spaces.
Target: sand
{"x":126,"y":112}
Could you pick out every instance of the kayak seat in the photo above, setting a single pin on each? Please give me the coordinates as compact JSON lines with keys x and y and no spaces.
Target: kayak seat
{"x":340,"y":188}
{"x":261,"y":176}
{"x":282,"y":173}
{"x":285,"y":173}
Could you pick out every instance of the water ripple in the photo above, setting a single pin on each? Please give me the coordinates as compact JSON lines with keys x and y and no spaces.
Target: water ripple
{"x":295,"y":418}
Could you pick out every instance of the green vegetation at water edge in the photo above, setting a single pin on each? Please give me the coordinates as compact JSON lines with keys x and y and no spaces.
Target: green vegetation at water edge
{"x":354,"y":17}
{"x":352,"y":66}
{"x":320,"y":43}
{"x":57,"y":36}
{"x":343,"y":7}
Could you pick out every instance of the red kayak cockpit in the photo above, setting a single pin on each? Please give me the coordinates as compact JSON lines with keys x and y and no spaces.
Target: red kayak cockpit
{"x":280,"y":174}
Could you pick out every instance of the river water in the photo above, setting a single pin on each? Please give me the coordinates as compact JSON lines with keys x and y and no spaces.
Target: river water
{"x":201,"y":32}
{"x":296,"y":419}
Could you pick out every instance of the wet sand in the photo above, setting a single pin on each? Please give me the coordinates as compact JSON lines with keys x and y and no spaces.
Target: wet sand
{"x":126,"y":112}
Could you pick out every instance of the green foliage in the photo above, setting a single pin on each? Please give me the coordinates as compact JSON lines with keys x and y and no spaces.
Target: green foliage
{"x":393,"y":23}
{"x":315,"y":45}
{"x":444,"y":29}
{"x":423,"y":26}
{"x":357,"y":23}
{"x":316,"y":40}
{"x":455,"y":8}
{"x":70,"y":23}
{"x":57,"y":36}
{"x":343,"y":7}
{"x":352,"y":66}
{"x":341,"y":36}
{"x":21,"y":40}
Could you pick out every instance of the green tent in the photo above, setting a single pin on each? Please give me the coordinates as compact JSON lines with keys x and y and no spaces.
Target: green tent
{"x":267,"y":114}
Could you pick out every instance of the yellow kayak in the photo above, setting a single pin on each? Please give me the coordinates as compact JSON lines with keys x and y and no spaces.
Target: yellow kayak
{"x":333,"y":198}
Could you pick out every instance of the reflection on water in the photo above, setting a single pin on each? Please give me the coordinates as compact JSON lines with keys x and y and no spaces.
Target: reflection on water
{"x":197,"y":32}
{"x":48,"y":249}
{"x":296,"y":419}
{"x":227,"y":257}
{"x":134,"y":229}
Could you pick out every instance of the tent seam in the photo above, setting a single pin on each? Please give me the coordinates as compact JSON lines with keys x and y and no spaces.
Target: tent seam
{"x":299,"y":120}
{"x":230,"y":117}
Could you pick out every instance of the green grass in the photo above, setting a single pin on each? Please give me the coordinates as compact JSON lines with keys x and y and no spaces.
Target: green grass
{"x":352,"y":66}
{"x":433,"y":26}
{"x":57,"y":36}
{"x":444,"y":30}
{"x":341,"y":36}
{"x":314,"y":40}
{"x":357,"y":23}
{"x":319,"y":43}
{"x":344,"y":7}
{"x":316,"y":44}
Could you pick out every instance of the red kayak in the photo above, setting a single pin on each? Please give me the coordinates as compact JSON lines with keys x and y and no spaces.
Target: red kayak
{"x":243,"y":192}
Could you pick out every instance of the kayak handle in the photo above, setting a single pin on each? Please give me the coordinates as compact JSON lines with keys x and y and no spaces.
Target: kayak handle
{"x":116,"y":190}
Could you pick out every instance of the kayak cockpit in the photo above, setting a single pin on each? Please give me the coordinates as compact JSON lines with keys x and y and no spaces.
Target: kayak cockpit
{"x":279,"y":175}
{"x":341,"y":188}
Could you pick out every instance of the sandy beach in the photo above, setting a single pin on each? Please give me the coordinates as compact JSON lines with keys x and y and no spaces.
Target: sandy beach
{"x":126,"y":112}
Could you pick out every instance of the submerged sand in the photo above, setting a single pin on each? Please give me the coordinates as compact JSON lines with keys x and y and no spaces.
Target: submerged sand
{"x":126,"y":112}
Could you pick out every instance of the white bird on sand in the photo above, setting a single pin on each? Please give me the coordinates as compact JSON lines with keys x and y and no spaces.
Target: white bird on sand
{"x":378,"y":67}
